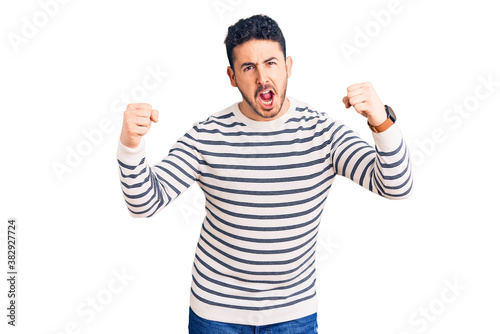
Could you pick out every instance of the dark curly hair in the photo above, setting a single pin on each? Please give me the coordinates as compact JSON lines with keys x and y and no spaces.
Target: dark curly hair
{"x":254,"y":27}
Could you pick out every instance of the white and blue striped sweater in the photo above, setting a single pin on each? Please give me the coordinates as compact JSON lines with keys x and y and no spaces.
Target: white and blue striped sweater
{"x":265,"y":185}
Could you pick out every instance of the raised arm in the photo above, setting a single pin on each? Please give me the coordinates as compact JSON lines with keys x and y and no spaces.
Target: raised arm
{"x":148,"y":189}
{"x":384,"y":169}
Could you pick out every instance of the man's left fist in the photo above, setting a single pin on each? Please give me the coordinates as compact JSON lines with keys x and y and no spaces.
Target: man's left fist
{"x":364,"y":99}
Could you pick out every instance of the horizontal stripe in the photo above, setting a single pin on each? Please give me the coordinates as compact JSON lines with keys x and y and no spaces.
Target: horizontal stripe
{"x":250,"y":133}
{"x":278,"y":283}
{"x":268,"y":180}
{"x":267,"y":205}
{"x":387,"y":154}
{"x":259,"y":251}
{"x":257,"y":263}
{"x":259,"y":240}
{"x":269,"y":192}
{"x":132,"y":176}
{"x":270,"y":167}
{"x":263,"y":228}
{"x":131,"y":167}
{"x":260,"y":155}
{"x":252,"y":308}
{"x":267,"y":216}
{"x":225,"y":295}
{"x":404,"y":158}
{"x":249,"y":272}
{"x":262,"y":143}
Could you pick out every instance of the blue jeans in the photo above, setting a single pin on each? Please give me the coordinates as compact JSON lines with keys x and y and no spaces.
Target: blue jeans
{"x":305,"y":325}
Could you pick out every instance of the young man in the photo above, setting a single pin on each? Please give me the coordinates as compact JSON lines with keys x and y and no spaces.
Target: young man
{"x":265,"y":165}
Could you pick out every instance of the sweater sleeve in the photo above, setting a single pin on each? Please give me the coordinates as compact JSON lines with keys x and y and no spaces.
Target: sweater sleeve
{"x":384,"y":169}
{"x":148,"y":189}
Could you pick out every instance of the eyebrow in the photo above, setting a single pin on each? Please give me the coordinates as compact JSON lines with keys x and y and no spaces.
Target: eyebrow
{"x":265,"y":61}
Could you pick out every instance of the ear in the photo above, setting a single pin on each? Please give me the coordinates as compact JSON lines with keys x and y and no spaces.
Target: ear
{"x":230,"y":74}
{"x":288,"y":64}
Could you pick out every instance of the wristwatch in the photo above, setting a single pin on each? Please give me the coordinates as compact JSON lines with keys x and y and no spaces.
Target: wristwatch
{"x":391,"y":119}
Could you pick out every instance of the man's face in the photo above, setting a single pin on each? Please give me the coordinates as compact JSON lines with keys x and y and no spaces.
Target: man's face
{"x":261,"y":74}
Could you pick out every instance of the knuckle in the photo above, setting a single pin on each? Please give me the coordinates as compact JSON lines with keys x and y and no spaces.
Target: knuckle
{"x":128,"y":128}
{"x":138,"y":106}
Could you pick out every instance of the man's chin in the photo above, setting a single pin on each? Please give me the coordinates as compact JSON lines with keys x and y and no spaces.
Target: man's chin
{"x":270,"y":111}
{"x":267,"y":113}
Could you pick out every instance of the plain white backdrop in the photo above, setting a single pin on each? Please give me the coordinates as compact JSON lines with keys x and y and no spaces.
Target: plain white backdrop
{"x":428,"y":264}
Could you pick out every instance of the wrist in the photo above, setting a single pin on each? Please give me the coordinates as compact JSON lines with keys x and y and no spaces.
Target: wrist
{"x":376,"y":121}
{"x":131,"y":143}
{"x":378,"y":116}
{"x":385,"y":123}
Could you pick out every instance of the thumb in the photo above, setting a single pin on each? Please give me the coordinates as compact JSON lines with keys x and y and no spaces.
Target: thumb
{"x":346,"y":102}
{"x":154,"y":116}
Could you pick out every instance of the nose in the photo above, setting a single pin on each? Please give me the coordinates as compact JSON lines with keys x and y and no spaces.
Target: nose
{"x":262,"y":78}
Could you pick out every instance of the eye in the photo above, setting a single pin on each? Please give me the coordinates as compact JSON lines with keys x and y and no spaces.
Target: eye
{"x":271,"y":63}
{"x":247,"y":68}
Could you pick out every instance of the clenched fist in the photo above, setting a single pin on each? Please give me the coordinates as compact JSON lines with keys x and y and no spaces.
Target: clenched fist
{"x":136,"y":123}
{"x":364,"y":99}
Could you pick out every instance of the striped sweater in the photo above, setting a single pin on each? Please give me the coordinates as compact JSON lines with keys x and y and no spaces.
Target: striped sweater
{"x":265,"y":186}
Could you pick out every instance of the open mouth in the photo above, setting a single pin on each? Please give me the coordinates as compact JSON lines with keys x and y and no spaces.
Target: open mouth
{"x":267,"y":99}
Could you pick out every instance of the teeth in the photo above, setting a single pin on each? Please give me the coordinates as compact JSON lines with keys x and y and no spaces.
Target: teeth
{"x":264,"y":102}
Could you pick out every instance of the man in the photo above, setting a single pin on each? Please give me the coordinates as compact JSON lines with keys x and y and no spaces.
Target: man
{"x":265,"y":165}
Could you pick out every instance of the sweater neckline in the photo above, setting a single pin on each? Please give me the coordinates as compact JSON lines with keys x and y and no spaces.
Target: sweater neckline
{"x":272,"y":124}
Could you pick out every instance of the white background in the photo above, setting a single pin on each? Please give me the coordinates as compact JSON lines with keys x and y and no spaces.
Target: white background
{"x":381,"y":264}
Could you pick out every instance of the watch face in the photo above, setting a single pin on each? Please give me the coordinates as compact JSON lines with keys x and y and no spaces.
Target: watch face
{"x":391,"y":113}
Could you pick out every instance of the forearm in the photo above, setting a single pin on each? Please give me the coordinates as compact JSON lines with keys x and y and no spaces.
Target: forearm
{"x":140,"y":187}
{"x":147,"y":189}
{"x":392,"y":174}
{"x":384,"y":169}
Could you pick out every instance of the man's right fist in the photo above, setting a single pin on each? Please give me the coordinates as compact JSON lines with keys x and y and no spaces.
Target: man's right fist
{"x":136,"y":123}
